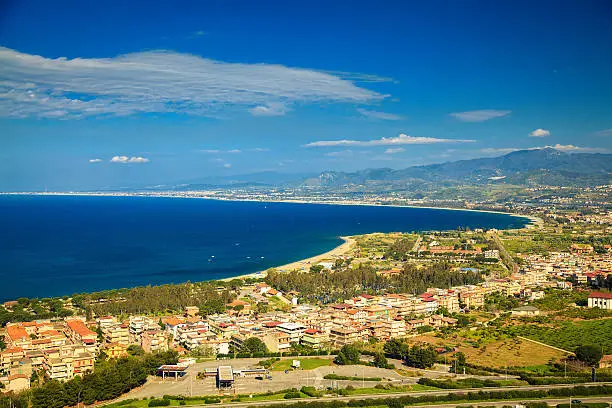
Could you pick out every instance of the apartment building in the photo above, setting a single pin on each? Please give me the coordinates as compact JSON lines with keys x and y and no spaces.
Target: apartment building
{"x":154,"y":341}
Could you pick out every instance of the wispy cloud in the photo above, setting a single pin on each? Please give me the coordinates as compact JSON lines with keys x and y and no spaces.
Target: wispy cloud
{"x":340,"y":153}
{"x":402,"y":139}
{"x":480,"y":115}
{"x":95,"y":160}
{"x":161,"y":82}
{"x":605,"y":132}
{"x":126,"y":159}
{"x":197,"y":34}
{"x":394,"y":150}
{"x":272,"y":109}
{"x":569,"y":148}
{"x":499,"y":150}
{"x":540,"y":133}
{"x":234,"y":151}
{"x":379,"y":115}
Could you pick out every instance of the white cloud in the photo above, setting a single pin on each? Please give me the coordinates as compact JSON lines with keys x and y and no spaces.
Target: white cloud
{"x":499,"y":150}
{"x":379,"y":115}
{"x":95,"y":160}
{"x":272,"y":109}
{"x":480,"y":115}
{"x":564,"y":148}
{"x":161,"y":82}
{"x":340,"y":153}
{"x":234,"y":151}
{"x":227,"y":165}
{"x":393,"y":150}
{"x":578,"y":149}
{"x":540,"y":133}
{"x":402,"y":139}
{"x":126,"y":159}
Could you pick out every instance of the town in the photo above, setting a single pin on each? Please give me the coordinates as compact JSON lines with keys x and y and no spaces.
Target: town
{"x":504,"y":280}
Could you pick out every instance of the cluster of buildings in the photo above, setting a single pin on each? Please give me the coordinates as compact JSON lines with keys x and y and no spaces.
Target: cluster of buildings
{"x":137,"y":330}
{"x":60,"y":350}
{"x":333,"y":326}
{"x":581,"y":266}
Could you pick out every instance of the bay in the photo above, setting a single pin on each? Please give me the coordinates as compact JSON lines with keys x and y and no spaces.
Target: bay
{"x":61,"y":245}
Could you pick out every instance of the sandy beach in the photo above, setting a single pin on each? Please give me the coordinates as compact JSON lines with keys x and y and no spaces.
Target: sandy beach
{"x":304,"y":264}
{"x":339,"y":251}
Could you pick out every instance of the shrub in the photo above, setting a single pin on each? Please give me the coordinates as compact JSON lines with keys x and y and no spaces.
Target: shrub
{"x":292,"y":395}
{"x":159,"y":403}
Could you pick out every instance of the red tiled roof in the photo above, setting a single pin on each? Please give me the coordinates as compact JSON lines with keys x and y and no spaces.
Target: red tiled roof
{"x":311,"y":331}
{"x":600,"y":295}
{"x":16,"y":332}
{"x":79,"y":328}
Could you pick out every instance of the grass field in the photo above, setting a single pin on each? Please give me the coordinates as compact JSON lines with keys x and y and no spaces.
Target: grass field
{"x":511,"y":353}
{"x":305,"y":363}
{"x":569,"y":335}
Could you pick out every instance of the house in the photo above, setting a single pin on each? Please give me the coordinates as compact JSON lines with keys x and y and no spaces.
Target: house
{"x":600,"y":300}
{"x":18,"y":383}
{"x":79,"y":332}
{"x":191,"y":311}
{"x":154,"y":341}
{"x":293,"y":330}
{"x":525,"y":311}
{"x":606,"y":361}
{"x":314,"y":338}
{"x":116,"y":350}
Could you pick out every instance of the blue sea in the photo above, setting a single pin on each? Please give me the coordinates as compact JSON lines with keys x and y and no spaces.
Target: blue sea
{"x":61,"y":245}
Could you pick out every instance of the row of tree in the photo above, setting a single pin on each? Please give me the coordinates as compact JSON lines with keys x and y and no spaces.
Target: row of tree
{"x":346,"y":282}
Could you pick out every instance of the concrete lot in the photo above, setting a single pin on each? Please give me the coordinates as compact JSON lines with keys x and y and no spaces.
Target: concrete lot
{"x":189,"y":385}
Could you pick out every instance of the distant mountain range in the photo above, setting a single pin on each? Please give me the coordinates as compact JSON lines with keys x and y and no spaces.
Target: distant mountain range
{"x":524,"y":167}
{"x":534,"y":167}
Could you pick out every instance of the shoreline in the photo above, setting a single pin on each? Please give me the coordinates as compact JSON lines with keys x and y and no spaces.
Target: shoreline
{"x":340,"y":250}
{"x":334,"y":253}
{"x":287,"y":201}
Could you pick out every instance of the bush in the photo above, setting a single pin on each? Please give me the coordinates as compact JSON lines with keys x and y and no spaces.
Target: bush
{"x":311,"y":392}
{"x":212,"y":401}
{"x":293,"y":395}
{"x":159,"y":403}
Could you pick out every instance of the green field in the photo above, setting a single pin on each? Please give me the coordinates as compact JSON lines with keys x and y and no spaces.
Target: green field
{"x":569,"y":335}
{"x":305,"y":363}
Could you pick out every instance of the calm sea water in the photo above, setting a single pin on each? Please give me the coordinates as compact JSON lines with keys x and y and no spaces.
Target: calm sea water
{"x":60,"y":245}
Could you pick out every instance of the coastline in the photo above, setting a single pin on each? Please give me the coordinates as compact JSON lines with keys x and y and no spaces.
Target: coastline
{"x":302,"y":264}
{"x":298,"y":201}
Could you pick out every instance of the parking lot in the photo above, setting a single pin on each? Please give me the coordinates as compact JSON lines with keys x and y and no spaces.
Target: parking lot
{"x":190,"y":385}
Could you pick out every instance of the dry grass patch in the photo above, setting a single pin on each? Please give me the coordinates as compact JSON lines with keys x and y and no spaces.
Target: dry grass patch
{"x":511,"y":353}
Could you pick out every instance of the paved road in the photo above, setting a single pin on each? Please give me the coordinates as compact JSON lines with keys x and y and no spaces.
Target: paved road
{"x":498,"y":403}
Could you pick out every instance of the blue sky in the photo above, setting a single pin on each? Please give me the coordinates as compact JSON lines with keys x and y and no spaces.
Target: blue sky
{"x":101,"y":94}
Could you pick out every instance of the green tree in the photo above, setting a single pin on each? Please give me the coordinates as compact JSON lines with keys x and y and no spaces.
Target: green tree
{"x":589,"y":353}
{"x":459,"y":363}
{"x":380,"y":360}
{"x":254,"y":345}
{"x":421,"y":356}
{"x":2,"y":343}
{"x":135,"y":350}
{"x":347,"y":355}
